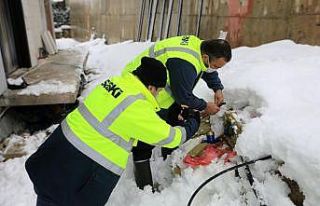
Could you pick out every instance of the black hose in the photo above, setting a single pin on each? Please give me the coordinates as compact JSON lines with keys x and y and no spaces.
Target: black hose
{"x":224,"y":171}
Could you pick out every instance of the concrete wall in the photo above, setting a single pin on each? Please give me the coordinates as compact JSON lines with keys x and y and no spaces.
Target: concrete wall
{"x":249,"y":22}
{"x":305,"y":21}
{"x":116,"y":19}
{"x":35,"y":21}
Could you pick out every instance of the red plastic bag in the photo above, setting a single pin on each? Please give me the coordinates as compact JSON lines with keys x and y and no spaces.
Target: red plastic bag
{"x":209,"y":153}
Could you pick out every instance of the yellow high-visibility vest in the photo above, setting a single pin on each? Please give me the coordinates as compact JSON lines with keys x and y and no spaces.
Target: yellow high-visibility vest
{"x":113,"y":117}
{"x":183,"y":47}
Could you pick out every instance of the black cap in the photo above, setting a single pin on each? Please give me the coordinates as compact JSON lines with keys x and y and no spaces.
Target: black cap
{"x":151,"y":72}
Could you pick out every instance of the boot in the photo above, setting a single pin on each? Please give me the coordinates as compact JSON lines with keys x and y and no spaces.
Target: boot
{"x":142,"y":173}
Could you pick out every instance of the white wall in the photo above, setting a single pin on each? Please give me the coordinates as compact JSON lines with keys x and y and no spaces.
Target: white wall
{"x":3,"y":83}
{"x":35,"y":21}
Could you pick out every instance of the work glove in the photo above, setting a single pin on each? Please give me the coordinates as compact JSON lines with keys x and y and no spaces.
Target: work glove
{"x":191,"y":121}
{"x":185,"y":117}
{"x":190,"y":113}
{"x":174,"y":115}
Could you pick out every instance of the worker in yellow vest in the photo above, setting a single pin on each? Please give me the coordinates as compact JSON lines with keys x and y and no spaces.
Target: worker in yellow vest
{"x":81,"y":162}
{"x":187,"y":59}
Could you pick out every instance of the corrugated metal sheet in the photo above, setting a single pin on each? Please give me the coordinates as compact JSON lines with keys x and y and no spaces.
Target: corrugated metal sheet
{"x":7,"y":45}
{"x":3,"y":82}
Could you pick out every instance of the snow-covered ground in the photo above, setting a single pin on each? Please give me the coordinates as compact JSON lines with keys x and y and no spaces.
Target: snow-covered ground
{"x":279,"y":81}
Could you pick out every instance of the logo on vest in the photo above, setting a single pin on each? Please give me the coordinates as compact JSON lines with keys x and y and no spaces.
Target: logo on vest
{"x":185,"y":40}
{"x":112,"y":88}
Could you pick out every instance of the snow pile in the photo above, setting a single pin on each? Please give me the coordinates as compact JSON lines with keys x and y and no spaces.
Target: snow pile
{"x":275,"y":88}
{"x":47,"y":87}
{"x":104,"y":60}
{"x":278,"y":80}
{"x":19,"y":81}
{"x":14,"y":179}
{"x":107,"y":60}
{"x":66,"y":43}
{"x":285,"y":75}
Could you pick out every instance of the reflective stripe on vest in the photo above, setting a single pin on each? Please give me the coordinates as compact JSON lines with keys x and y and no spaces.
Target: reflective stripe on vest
{"x":168,"y":89}
{"x":88,"y":151}
{"x":103,"y":129}
{"x":172,"y":134}
{"x":155,"y":54}
{"x":184,"y":134}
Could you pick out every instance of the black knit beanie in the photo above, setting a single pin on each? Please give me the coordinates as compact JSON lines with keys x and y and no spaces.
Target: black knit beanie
{"x":151,"y":72}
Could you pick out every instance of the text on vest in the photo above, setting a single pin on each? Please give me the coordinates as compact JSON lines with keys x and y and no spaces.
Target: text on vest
{"x":112,"y":88}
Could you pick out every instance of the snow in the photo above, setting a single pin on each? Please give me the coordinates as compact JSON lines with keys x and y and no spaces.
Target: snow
{"x":105,"y":60}
{"x":275,"y":89}
{"x":14,"y":180}
{"x":19,"y":81}
{"x":57,"y":29}
{"x":66,"y":43}
{"x":15,"y":183}
{"x":47,"y":87}
{"x":285,"y":75}
{"x":65,"y":27}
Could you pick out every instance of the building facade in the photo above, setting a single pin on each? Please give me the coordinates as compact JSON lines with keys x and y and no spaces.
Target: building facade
{"x":22,"y":22}
{"x":248,"y":22}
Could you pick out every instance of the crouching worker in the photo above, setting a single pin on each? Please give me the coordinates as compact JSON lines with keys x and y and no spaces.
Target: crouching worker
{"x":81,"y":162}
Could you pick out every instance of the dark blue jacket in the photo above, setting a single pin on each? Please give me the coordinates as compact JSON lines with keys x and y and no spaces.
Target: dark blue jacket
{"x":183,"y":78}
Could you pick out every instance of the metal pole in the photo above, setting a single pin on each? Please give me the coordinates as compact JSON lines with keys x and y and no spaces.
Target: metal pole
{"x":149,"y":18}
{"x":140,"y":23}
{"x":161,"y":20}
{"x":199,"y":18}
{"x":153,"y":18}
{"x":180,"y":4}
{"x":166,"y":32}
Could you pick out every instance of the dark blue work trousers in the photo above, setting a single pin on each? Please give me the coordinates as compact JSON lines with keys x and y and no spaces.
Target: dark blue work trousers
{"x":62,"y":175}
